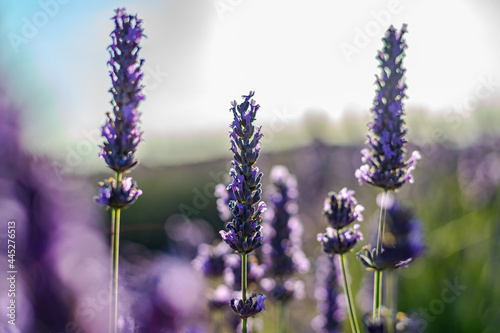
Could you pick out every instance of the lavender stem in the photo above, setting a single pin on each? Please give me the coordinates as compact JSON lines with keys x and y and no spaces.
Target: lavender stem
{"x":350,"y":304}
{"x":244,"y":257}
{"x":377,"y":284}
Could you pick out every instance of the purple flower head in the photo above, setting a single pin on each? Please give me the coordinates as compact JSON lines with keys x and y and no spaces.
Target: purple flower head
{"x":210,"y":259}
{"x":243,"y":233}
{"x":249,"y":308}
{"x":384,"y":165}
{"x":340,"y":241}
{"x":329,"y":297}
{"x":342,"y":209}
{"x":121,"y":131}
{"x":116,"y":195}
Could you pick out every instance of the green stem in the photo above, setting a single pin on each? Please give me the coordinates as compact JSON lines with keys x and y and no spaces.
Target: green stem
{"x":111,"y":279}
{"x":377,"y":281}
{"x":281,"y":319}
{"x":350,"y":303}
{"x":115,"y":255}
{"x":244,"y":288}
{"x":377,"y":293}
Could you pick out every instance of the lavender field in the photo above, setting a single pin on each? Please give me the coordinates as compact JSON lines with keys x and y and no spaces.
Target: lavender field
{"x":174,"y":173}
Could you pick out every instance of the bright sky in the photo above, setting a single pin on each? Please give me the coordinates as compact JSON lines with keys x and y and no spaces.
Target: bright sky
{"x":299,"y":56}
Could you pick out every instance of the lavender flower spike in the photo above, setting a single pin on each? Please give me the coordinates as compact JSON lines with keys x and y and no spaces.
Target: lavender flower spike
{"x":243,"y":233}
{"x":384,"y":165}
{"x":121,"y":131}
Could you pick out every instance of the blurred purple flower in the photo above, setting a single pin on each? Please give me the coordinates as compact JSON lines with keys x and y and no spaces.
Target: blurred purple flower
{"x":282,"y":251}
{"x":403,"y":239}
{"x":121,"y":132}
{"x":384,"y":162}
{"x":50,"y":213}
{"x":224,"y":195}
{"x":243,"y":234}
{"x":169,"y":299}
{"x":211,"y":259}
{"x":477,"y":170}
{"x":329,"y":297}
{"x":283,"y":290}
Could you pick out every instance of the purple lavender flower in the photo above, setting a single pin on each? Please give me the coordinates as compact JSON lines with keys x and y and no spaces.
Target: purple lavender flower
{"x":342,"y":209}
{"x":329,"y":297}
{"x":384,"y":164}
{"x":243,"y":234}
{"x":117,"y":196}
{"x":340,"y":241}
{"x":282,"y":252}
{"x":121,"y":132}
{"x":250,"y":307}
{"x":211,"y":259}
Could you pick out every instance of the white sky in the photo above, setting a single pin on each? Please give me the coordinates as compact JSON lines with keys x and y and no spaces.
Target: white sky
{"x":289,"y":51}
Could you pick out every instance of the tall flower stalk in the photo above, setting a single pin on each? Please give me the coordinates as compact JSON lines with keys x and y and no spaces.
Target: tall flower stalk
{"x":243,"y":233}
{"x":121,"y":133}
{"x":384,"y":164}
{"x":282,"y":251}
{"x":341,"y":210}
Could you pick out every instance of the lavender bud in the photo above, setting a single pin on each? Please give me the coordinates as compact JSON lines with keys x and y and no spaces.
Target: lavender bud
{"x":384,"y":165}
{"x":116,"y":195}
{"x":249,"y":308}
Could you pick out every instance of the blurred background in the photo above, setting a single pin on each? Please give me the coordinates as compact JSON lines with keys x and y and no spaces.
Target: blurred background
{"x":312,"y":67}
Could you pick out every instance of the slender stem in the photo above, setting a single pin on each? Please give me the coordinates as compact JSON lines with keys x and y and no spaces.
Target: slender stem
{"x":244,"y":288}
{"x":281,"y":319}
{"x":377,"y":293}
{"x":377,"y":281}
{"x":115,"y":256}
{"x":350,"y":303}
{"x":111,"y":275}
